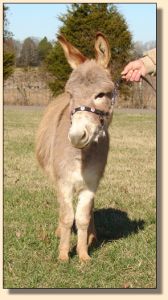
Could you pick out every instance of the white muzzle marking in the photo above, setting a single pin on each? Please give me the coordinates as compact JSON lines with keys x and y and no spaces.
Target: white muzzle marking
{"x":82,"y":130}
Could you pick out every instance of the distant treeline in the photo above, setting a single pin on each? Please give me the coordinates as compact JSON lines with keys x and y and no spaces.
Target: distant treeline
{"x":31,"y":52}
{"x":80,"y":24}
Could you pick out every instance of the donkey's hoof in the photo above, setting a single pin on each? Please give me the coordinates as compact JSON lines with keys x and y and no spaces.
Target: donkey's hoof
{"x":84,"y":257}
{"x":63,"y":257}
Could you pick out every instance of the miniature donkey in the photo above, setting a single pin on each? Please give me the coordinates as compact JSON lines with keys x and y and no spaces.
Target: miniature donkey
{"x":73,"y":142}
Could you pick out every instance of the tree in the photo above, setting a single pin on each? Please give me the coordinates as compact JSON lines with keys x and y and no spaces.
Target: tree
{"x":6,"y":33}
{"x":80,"y":24}
{"x":8,"y":62}
{"x":138,"y":49}
{"x":149,"y":45}
{"x":8,"y":53}
{"x":29,"y":54}
{"x":17,"y":48}
{"x":44,"y":48}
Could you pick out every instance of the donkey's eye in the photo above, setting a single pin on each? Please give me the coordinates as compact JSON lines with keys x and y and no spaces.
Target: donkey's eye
{"x":100,"y":95}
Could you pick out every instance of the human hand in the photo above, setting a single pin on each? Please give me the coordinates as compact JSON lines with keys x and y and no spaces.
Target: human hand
{"x":134,"y":70}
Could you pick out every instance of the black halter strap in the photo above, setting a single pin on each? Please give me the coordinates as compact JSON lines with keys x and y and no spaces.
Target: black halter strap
{"x":93,"y":110}
{"x":102,"y":114}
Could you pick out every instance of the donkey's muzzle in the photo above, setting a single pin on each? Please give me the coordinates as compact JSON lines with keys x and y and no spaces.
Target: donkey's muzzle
{"x":78,"y":137}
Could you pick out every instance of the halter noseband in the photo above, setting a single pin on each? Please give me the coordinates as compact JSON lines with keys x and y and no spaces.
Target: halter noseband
{"x":93,"y":110}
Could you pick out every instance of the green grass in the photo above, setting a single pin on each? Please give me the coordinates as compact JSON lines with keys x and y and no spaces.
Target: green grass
{"x":125,"y":212}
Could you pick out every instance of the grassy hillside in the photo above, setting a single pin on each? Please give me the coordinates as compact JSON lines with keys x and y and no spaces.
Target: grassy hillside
{"x":125,"y":212}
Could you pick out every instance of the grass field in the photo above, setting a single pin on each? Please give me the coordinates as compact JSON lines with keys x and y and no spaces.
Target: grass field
{"x":125,"y":212}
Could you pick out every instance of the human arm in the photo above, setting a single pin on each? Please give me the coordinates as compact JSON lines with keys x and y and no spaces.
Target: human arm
{"x":140,"y":67}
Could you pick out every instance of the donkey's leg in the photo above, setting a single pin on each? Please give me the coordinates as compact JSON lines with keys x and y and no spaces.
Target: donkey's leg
{"x":66,"y":218}
{"x":83,"y":217}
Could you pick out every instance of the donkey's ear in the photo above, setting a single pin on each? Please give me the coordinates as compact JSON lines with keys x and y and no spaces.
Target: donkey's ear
{"x":102,"y":48}
{"x":72,"y":54}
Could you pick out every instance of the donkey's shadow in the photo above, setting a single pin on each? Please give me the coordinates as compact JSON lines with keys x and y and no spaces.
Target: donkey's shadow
{"x":112,"y":224}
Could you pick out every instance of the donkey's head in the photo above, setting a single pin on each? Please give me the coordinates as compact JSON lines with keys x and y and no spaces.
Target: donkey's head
{"x":90,"y":88}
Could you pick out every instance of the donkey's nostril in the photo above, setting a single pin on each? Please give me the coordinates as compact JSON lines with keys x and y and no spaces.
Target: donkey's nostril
{"x":84,"y":135}
{"x":78,"y":137}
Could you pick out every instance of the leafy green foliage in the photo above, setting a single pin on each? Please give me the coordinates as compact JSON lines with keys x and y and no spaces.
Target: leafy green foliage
{"x":8,"y":55}
{"x":8,"y":64}
{"x":80,"y":25}
{"x":44,"y":47}
{"x":59,"y":68}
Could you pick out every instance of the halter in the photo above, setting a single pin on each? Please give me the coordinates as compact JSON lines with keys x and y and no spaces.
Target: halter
{"x":93,"y":110}
{"x":102,"y":114}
